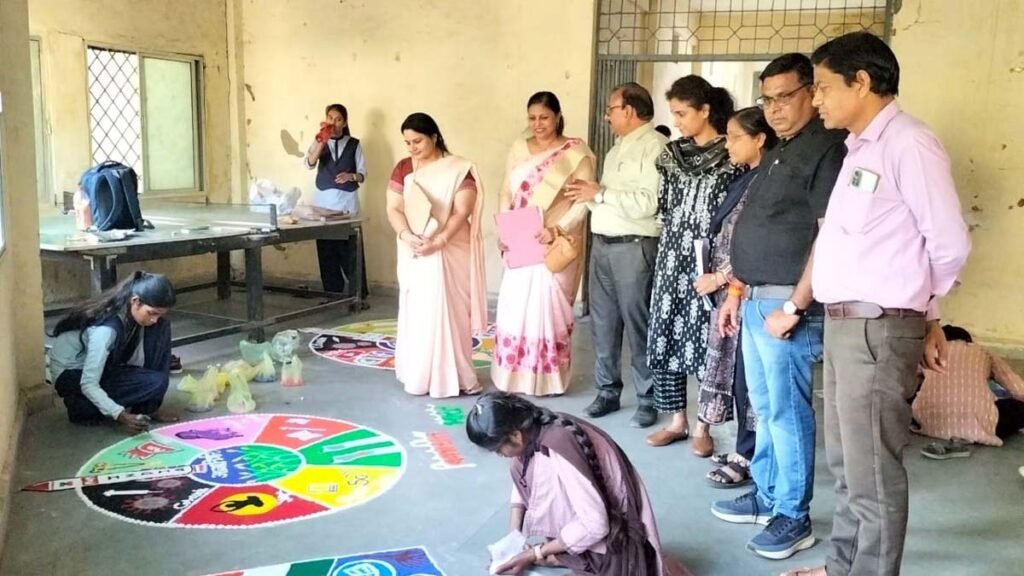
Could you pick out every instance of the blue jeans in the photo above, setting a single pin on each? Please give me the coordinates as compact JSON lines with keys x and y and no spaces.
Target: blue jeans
{"x":779,"y":384}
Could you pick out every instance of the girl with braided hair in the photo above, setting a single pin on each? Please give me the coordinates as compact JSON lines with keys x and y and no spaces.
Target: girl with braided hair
{"x":573,"y":488}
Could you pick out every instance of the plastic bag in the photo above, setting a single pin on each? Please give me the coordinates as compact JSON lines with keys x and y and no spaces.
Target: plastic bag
{"x":240,"y":398}
{"x":252,"y":352}
{"x":241,"y":366}
{"x":188,"y":384}
{"x":284,"y":344}
{"x":265,"y":372}
{"x":263,"y":192}
{"x":205,"y":393}
{"x":291,"y":373}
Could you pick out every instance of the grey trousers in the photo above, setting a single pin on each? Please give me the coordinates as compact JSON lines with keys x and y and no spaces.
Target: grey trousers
{"x":870,"y":373}
{"x":621,"y":278}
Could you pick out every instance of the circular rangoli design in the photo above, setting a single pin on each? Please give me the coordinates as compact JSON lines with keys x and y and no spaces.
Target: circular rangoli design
{"x":242,"y":471}
{"x":372,"y":344}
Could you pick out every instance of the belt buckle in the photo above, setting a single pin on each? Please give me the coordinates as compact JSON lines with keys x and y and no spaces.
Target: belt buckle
{"x":871,"y":311}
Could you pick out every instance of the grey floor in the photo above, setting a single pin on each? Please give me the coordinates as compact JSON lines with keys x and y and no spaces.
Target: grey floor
{"x":967,"y":516}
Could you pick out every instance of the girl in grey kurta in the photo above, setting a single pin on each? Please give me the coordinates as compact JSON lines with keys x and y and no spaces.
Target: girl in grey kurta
{"x":695,"y":175}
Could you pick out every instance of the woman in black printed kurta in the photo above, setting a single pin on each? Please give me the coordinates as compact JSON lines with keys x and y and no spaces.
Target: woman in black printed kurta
{"x":695,"y":175}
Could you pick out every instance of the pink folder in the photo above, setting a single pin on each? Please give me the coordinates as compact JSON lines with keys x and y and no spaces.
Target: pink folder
{"x":517,"y":230}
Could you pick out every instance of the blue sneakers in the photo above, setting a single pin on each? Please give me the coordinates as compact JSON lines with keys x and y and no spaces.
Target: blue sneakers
{"x":783,"y":537}
{"x":747,"y":509}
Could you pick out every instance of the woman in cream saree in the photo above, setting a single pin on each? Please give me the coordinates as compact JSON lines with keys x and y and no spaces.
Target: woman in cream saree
{"x":435,"y":201}
{"x":533,"y":338}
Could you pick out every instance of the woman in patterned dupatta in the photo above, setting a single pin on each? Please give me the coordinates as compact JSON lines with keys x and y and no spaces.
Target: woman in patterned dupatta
{"x":574,"y":491}
{"x":442,"y":287}
{"x":695,"y":175}
{"x":533,"y":340}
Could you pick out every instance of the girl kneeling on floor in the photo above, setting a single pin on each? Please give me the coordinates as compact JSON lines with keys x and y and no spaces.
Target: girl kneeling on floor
{"x":111,"y":357}
{"x":574,"y":488}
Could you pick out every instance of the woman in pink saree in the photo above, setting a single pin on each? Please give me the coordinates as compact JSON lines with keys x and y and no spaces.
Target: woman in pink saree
{"x":434,"y":205}
{"x":575,"y":495}
{"x":533,"y":338}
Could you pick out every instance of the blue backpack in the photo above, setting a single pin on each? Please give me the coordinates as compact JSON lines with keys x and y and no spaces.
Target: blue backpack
{"x":113,"y":192}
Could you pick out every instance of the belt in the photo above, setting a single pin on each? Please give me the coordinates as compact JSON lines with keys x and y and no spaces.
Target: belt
{"x":867,"y":311}
{"x":622,"y":239}
{"x":768,"y":292}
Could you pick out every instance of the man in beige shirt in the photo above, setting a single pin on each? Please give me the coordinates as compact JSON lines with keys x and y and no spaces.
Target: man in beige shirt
{"x":623,"y":207}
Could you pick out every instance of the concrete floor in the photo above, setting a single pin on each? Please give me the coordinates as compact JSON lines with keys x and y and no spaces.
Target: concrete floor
{"x":967,"y":515}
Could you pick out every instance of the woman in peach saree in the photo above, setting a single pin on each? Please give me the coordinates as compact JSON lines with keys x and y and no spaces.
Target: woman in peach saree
{"x":533,"y":338}
{"x":435,"y":200}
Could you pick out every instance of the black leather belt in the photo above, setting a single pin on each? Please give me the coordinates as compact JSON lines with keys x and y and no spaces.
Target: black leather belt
{"x":768,"y":292}
{"x":621,"y":239}
{"x":867,"y":311}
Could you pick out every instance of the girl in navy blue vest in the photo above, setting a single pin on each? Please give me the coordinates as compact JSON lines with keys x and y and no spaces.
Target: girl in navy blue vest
{"x":340,"y":168}
{"x":112,"y":355}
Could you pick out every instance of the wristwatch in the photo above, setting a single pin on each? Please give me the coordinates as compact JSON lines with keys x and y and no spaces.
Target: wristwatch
{"x":599,"y":197}
{"x":790,"y":307}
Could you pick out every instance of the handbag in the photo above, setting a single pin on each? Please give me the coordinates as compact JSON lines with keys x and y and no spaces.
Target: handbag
{"x":561,"y":252}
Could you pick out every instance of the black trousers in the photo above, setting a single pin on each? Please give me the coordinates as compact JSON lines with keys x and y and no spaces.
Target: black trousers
{"x":1011,"y":417}
{"x":338,"y":265}
{"x":140,"y":389}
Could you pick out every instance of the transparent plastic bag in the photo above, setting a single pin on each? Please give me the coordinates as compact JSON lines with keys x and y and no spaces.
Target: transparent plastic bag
{"x":265,"y":371}
{"x":284,"y":345}
{"x":205,"y":393}
{"x":291,"y":373}
{"x":253,"y":352}
{"x":240,"y":398}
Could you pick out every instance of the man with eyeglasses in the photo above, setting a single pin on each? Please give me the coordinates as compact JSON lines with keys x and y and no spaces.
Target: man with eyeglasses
{"x":892,"y":244}
{"x":623,"y":209}
{"x":782,"y":328}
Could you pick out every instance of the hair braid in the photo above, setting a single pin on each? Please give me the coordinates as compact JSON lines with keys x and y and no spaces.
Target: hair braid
{"x":546,"y":416}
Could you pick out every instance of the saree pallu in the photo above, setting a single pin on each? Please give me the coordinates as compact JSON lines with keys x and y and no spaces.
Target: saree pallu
{"x":442,"y":296}
{"x":535,"y":320}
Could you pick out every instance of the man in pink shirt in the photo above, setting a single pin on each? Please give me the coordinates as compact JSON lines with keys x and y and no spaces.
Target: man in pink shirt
{"x":892,"y":243}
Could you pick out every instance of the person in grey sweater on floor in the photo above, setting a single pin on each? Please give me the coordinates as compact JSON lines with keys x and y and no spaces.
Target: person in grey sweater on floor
{"x":111,"y":355}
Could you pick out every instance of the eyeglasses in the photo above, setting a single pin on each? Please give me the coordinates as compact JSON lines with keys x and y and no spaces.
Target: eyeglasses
{"x":609,"y":109}
{"x":783,"y":99}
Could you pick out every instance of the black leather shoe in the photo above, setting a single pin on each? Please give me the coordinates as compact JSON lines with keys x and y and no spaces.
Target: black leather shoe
{"x":645,"y":416}
{"x":601,"y":406}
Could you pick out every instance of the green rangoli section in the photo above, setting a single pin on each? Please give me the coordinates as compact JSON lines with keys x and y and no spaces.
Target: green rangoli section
{"x":356,"y":448}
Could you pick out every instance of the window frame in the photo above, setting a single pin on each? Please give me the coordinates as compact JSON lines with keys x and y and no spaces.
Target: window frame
{"x":3,"y":180}
{"x":198,"y":118}
{"x":45,"y":192}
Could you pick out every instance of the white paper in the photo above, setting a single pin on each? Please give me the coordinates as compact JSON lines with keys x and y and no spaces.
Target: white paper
{"x":505,"y":549}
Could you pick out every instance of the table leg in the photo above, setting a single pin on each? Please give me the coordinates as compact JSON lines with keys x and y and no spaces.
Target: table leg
{"x":102,"y":274}
{"x":223,"y":275}
{"x":357,"y":284}
{"x":254,"y":290}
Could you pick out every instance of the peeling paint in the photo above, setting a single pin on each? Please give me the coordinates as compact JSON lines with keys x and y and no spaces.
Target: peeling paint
{"x":290,"y":144}
{"x":976,"y":208}
{"x":248,"y":88}
{"x":1020,"y":203}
